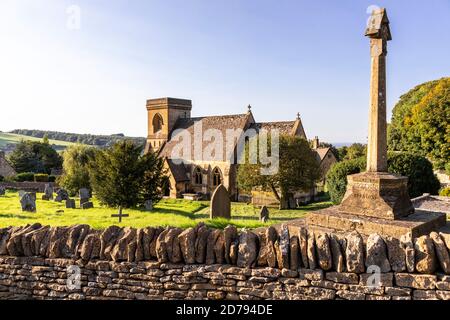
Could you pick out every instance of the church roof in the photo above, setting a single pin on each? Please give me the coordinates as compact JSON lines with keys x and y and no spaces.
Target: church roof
{"x":178,"y":171}
{"x":221,"y":123}
{"x":284,"y":127}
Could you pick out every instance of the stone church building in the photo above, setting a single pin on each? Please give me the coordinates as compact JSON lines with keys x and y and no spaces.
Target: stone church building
{"x":197,"y":178}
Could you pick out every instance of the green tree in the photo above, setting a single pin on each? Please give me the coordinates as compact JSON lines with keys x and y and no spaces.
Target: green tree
{"x":420,"y":122}
{"x":355,"y":151}
{"x":298,"y":170}
{"x":33,"y":156}
{"x":121,"y":176}
{"x":76,"y":168}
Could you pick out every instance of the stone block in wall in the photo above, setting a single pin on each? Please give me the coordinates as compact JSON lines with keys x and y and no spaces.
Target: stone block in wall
{"x":443,"y":295}
{"x":376,"y":253}
{"x":425,"y":256}
{"x":329,"y":285}
{"x":441,"y":250}
{"x":342,"y":277}
{"x":385,"y":279}
{"x":393,"y":291}
{"x":415,"y":281}
{"x":425,"y":295}
{"x":396,"y":254}
{"x":309,"y":274}
{"x":350,"y":295}
{"x":354,"y":253}
{"x":323,"y":251}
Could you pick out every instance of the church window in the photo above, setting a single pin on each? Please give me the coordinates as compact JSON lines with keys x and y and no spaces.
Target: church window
{"x":157,"y":123}
{"x":198,"y":178}
{"x":217,"y":177}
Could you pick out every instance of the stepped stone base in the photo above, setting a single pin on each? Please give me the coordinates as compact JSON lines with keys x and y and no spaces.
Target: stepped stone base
{"x":334,"y":220}
{"x":378,"y":195}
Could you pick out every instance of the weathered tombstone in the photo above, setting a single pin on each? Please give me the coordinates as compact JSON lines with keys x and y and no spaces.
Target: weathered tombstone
{"x":87,"y":205}
{"x":84,"y":196}
{"x":220,"y":203}
{"x":148,"y":205}
{"x":264,"y":214}
{"x":28,"y":202}
{"x":48,"y":193}
{"x":70,"y":204}
{"x":61,"y":195}
{"x":2,"y":191}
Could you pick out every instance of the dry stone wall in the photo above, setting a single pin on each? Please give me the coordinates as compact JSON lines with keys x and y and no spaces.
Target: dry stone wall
{"x":42,"y":262}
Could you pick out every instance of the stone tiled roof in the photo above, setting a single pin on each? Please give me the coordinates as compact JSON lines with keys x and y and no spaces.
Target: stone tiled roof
{"x":178,"y":171}
{"x":321,"y":153}
{"x":284,"y":127}
{"x":222,"y":123}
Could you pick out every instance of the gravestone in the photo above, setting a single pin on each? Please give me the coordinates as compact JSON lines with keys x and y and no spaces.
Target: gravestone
{"x":148,"y":205}
{"x":2,"y":191}
{"x":84,"y":196}
{"x":61,"y":195}
{"x":70,"y":204}
{"x":28,"y":202}
{"x":264,"y":214}
{"x":48,"y":193}
{"x":21,"y":193}
{"x":220,"y":203}
{"x":87,"y":205}
{"x":120,"y":215}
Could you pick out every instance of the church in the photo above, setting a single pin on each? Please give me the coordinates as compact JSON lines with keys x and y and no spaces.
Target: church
{"x":197,"y":179}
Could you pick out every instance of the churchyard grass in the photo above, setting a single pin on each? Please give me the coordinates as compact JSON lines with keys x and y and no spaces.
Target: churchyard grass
{"x":173,"y":212}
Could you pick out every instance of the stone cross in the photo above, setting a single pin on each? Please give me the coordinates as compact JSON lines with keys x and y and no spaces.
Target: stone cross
{"x":379,"y":33}
{"x":120,"y":215}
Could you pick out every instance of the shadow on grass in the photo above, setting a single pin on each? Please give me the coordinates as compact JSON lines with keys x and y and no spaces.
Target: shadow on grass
{"x":15,"y":216}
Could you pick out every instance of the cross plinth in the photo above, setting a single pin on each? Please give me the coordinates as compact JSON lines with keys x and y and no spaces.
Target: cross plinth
{"x":120,"y":215}
{"x":377,"y":201}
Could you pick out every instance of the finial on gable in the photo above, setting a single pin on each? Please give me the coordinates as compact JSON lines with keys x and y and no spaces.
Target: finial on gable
{"x":298,"y":115}
{"x":249,"y":108}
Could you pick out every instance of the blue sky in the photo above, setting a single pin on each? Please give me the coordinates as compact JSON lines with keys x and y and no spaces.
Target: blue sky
{"x":282,"y":57}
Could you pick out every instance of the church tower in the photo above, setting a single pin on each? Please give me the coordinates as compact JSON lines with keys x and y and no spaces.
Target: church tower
{"x":162,"y":115}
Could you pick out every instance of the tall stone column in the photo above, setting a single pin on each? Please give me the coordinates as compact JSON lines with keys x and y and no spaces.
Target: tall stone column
{"x":377,"y":146}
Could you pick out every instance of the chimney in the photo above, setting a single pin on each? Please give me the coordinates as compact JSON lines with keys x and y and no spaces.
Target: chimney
{"x":316,"y":142}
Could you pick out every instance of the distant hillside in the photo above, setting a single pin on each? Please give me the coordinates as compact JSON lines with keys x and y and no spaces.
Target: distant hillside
{"x":9,"y":140}
{"x":100,"y":141}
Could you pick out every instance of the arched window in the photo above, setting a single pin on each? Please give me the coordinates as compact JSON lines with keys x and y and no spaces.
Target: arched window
{"x":217,"y":177}
{"x":157,"y":123}
{"x":198,"y":178}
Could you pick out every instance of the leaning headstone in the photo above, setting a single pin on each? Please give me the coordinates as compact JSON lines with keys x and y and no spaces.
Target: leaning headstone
{"x":84,"y":196}
{"x":48,"y":193}
{"x":70,"y":204}
{"x":2,"y":191}
{"x":264,"y":214}
{"x":61,"y":195}
{"x":220,"y":203}
{"x":148,"y":205}
{"x":28,"y":202}
{"x":87,"y":205}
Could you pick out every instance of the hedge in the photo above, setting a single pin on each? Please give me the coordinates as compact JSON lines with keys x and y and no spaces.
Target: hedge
{"x":41,"y":177}
{"x":418,"y":169}
{"x":24,"y":177}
